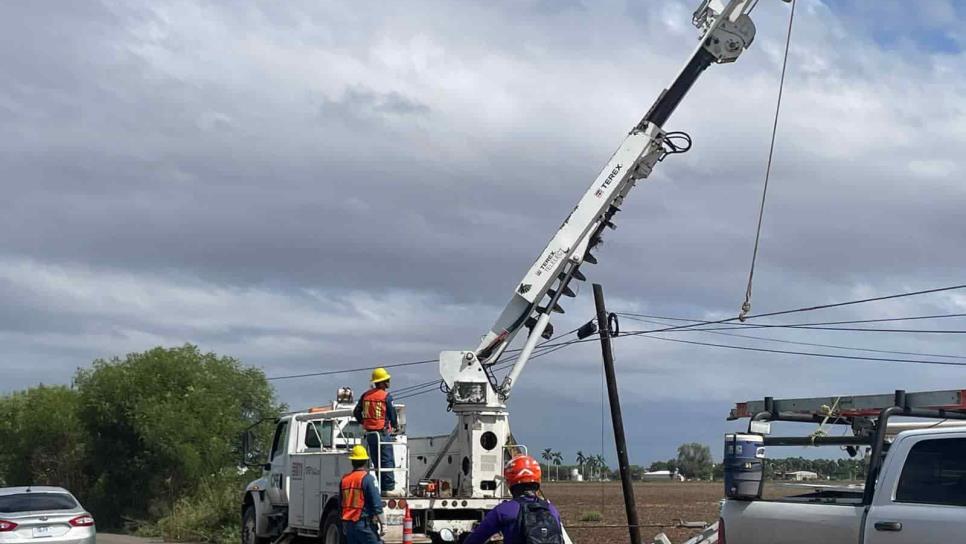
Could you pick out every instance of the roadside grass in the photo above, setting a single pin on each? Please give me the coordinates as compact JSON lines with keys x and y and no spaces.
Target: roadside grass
{"x":209,"y":515}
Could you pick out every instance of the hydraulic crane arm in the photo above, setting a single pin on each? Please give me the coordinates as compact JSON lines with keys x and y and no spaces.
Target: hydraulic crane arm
{"x":726,"y":31}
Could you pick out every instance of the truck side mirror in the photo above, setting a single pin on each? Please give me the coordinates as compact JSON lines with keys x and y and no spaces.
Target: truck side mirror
{"x":249,"y":448}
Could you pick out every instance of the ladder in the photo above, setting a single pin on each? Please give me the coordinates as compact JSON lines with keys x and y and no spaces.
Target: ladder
{"x":868,"y":415}
{"x":851,"y":406}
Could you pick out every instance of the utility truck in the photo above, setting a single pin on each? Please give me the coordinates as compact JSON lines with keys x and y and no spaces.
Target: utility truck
{"x":914,"y":491}
{"x":450,"y":481}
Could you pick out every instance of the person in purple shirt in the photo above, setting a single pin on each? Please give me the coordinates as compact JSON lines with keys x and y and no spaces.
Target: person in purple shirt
{"x":525,"y":519}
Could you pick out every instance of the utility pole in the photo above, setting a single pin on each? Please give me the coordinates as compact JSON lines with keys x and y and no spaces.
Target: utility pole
{"x":627,"y":485}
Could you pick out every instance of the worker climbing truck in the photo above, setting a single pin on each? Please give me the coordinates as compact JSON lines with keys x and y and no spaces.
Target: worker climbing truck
{"x":449,"y":482}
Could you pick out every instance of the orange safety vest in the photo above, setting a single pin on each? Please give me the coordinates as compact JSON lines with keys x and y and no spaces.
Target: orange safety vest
{"x":374,"y":409}
{"x":353,"y":497}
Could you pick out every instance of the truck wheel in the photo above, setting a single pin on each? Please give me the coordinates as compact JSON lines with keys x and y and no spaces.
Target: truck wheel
{"x":332,"y":528}
{"x":248,"y":535}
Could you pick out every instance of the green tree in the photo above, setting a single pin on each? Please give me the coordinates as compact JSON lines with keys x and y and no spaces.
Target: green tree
{"x":557,"y":459}
{"x":43,"y":441}
{"x":547,"y":456}
{"x":694,"y":461}
{"x":581,"y":461}
{"x":161,"y":421}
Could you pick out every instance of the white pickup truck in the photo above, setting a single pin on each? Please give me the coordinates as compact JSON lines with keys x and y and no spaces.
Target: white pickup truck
{"x":916,"y":494}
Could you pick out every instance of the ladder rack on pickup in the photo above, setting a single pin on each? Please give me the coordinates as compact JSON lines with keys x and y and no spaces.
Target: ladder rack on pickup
{"x":852,"y":405}
{"x":868,"y":415}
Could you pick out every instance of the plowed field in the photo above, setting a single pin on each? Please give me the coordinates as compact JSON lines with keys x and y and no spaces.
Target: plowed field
{"x":657,"y":503}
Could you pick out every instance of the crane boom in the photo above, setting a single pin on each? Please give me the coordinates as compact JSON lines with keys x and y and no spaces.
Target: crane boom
{"x":726,"y":31}
{"x":476,"y":397}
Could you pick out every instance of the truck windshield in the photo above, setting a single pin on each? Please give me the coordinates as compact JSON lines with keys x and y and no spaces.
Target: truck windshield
{"x":36,"y":502}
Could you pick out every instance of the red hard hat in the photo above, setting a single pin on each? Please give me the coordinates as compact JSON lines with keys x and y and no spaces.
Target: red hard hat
{"x":522,"y":469}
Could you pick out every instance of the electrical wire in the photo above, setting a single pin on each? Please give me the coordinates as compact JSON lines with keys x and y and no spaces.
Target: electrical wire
{"x":548,"y":344}
{"x":808,"y":353}
{"x":350,"y":370}
{"x":746,"y":305}
{"x":812,"y":344}
{"x":809,"y":324}
{"x":818,"y":307}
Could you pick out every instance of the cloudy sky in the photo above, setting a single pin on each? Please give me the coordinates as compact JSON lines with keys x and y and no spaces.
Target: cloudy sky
{"x":326,"y":185}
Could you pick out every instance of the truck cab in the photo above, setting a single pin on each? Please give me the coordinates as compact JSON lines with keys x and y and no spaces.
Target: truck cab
{"x":298,"y":492}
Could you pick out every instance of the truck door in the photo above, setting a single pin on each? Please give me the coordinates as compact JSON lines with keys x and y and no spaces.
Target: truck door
{"x":926,"y":502}
{"x":278,"y":474}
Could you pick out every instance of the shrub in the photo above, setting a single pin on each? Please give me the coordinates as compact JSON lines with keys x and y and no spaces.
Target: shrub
{"x":210,"y":514}
{"x":591,"y":516}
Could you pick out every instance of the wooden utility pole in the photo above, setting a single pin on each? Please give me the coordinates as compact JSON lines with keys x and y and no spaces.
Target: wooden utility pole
{"x":627,"y":485}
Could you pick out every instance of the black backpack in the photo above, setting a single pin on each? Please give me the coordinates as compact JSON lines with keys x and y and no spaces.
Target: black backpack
{"x":537,"y":524}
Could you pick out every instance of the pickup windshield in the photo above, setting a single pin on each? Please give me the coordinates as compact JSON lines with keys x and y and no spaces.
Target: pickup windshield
{"x":36,"y":502}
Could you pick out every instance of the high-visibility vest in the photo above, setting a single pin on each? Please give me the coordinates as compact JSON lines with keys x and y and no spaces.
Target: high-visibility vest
{"x":374,"y":409}
{"x":353,"y":496}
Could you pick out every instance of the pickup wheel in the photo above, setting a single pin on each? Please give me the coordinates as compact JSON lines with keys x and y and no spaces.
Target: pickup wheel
{"x":331,"y":532}
{"x":248,"y":535}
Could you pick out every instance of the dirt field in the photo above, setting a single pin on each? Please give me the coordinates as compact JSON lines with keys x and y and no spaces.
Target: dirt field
{"x":657,"y":503}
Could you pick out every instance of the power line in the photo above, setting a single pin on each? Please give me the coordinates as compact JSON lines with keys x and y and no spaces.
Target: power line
{"x":812,"y":344}
{"x":806,"y":353}
{"x":349,"y":370}
{"x":666,"y":329}
{"x":814,"y":308}
{"x":808,"y":324}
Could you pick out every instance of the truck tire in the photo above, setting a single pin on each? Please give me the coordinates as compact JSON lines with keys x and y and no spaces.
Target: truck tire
{"x":331,"y":532}
{"x":249,"y":520}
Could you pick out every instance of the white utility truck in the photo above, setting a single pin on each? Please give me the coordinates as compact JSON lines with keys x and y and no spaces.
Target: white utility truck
{"x":914,"y":491}
{"x":299,"y":491}
{"x":450,"y":481}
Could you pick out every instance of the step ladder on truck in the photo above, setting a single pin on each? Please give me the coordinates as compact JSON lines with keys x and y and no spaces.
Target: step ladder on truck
{"x":914,"y":490}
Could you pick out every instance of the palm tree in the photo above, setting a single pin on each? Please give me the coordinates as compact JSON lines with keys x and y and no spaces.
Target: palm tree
{"x":547,"y":456}
{"x":601,"y":465}
{"x":591,"y":463}
{"x":557,"y":458}
{"x":581,"y":459}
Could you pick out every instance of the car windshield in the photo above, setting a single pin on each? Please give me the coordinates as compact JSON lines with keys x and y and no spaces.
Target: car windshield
{"x":36,"y":502}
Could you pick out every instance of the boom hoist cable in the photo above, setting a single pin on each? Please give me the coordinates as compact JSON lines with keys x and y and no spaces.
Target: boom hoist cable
{"x":746,"y":305}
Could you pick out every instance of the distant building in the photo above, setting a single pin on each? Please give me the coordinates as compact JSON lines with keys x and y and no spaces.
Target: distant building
{"x":662,"y":476}
{"x":801,"y":475}
{"x":575,"y":475}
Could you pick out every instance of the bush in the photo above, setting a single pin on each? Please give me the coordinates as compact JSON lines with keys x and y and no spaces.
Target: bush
{"x":591,"y":516}
{"x":210,"y":514}
{"x":160,"y":422}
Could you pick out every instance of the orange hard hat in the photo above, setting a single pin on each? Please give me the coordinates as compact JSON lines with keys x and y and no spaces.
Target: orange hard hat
{"x":522,"y":469}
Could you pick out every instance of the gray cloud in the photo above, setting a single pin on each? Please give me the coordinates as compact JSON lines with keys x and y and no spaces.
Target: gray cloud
{"x":324,"y":186}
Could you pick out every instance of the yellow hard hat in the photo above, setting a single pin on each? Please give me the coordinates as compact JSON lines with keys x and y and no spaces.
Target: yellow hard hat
{"x":380,"y":375}
{"x":359,"y":453}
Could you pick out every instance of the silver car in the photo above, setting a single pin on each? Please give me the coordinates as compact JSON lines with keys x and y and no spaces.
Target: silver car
{"x":43,"y":514}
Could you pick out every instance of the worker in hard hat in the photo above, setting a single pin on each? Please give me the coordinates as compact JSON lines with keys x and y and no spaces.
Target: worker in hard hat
{"x":377,"y":416}
{"x":362,"y":519}
{"x":524,"y":518}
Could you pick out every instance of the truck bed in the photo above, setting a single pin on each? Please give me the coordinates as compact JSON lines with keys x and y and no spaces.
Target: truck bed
{"x":802,"y":519}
